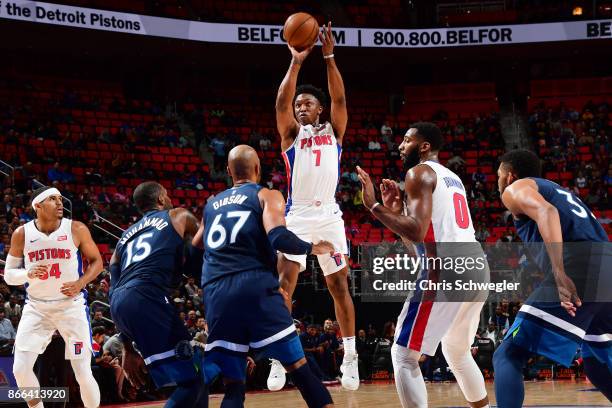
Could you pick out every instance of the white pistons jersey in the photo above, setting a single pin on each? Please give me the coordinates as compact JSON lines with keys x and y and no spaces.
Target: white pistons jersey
{"x":450,"y":215}
{"x":313,"y":166}
{"x":58,"y":252}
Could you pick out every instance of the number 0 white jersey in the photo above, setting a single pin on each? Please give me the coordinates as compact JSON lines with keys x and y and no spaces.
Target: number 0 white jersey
{"x":313,"y":166}
{"x":450,"y":215}
{"x":58,"y":252}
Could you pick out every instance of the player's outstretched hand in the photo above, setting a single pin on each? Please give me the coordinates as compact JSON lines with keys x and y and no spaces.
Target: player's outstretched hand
{"x":322,"y":248}
{"x":568,"y":294}
{"x":299,"y":56}
{"x":391,"y":195}
{"x":327,"y":40}
{"x":73,"y":288}
{"x":369,"y":196}
{"x":134,"y":367}
{"x":37,"y":272}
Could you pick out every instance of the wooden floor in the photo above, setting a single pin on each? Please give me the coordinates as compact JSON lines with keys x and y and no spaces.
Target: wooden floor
{"x":382,"y":395}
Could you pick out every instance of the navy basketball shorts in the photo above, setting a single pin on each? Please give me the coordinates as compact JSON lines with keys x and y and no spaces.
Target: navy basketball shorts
{"x":547,"y":329}
{"x":246,"y":311}
{"x":145,"y":315}
{"x":542,"y":326}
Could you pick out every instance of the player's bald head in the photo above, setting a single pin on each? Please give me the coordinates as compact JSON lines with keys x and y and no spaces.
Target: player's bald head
{"x":243,"y":163}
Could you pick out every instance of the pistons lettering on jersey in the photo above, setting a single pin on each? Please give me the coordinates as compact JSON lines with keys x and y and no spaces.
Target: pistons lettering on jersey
{"x":317,"y":140}
{"x":49,"y":253}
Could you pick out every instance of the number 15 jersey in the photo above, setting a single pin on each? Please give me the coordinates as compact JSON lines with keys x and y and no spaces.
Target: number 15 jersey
{"x":150,"y":252}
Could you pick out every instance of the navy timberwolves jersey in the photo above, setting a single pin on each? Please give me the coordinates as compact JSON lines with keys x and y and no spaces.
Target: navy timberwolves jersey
{"x":234,"y":236}
{"x":578,"y":224}
{"x":150,"y":252}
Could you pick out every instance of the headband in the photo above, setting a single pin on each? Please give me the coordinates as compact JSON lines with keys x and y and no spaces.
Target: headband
{"x":44,"y":195}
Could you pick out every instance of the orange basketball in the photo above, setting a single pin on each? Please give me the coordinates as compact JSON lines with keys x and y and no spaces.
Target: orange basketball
{"x":301,"y":30}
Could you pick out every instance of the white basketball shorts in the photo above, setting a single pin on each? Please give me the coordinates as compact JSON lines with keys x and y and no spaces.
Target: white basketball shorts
{"x":70,"y":317}
{"x":314,"y":223}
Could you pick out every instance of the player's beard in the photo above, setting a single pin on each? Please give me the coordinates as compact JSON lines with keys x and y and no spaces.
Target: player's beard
{"x":412,"y":159}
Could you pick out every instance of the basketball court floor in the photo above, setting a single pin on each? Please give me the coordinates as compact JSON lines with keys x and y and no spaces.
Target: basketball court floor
{"x":382,"y":395}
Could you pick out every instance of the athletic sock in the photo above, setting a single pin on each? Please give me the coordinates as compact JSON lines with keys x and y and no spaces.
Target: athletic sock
{"x":349,"y":345}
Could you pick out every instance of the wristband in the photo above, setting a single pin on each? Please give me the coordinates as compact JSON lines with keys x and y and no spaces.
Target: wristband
{"x":376,"y":204}
{"x":328,"y":56}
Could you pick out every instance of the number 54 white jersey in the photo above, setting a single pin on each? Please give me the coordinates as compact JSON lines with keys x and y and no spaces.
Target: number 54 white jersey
{"x":56,"y":251}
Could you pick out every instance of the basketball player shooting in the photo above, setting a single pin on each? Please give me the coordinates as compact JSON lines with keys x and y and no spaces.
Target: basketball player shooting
{"x":434,"y":210}
{"x":311,"y":151}
{"x":46,"y":256}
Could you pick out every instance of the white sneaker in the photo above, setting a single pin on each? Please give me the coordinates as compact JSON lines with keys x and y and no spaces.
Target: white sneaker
{"x":277,"y":378}
{"x":350,"y":372}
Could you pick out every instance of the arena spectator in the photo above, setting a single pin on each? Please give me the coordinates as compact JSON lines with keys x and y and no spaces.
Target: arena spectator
{"x":201,"y":334}
{"x":312,"y":349}
{"x":330,"y":345}
{"x":12,"y":307}
{"x":7,"y":331}
{"x":491,"y":333}
{"x":98,"y":320}
{"x":374,"y":145}
{"x":190,"y":288}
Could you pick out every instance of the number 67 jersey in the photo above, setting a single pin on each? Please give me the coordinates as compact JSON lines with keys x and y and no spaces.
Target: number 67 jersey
{"x":235,"y":239}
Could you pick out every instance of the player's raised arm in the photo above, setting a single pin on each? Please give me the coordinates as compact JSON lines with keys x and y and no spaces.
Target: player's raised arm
{"x":184,"y":222}
{"x":285,"y":119}
{"x":280,"y":237}
{"x":523,"y":198}
{"x":90,"y":251}
{"x":419,"y":186}
{"x":338,"y":113}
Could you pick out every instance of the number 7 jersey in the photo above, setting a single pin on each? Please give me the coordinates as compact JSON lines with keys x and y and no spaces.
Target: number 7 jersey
{"x":313,"y":166}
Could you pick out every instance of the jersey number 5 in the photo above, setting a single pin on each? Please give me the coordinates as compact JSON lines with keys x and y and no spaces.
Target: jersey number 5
{"x":461,"y":211}
{"x":217,"y":229}
{"x":143,"y":249}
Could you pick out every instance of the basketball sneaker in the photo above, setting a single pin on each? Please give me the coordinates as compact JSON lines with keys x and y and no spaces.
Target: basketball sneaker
{"x":277,"y":378}
{"x":350,"y":372}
